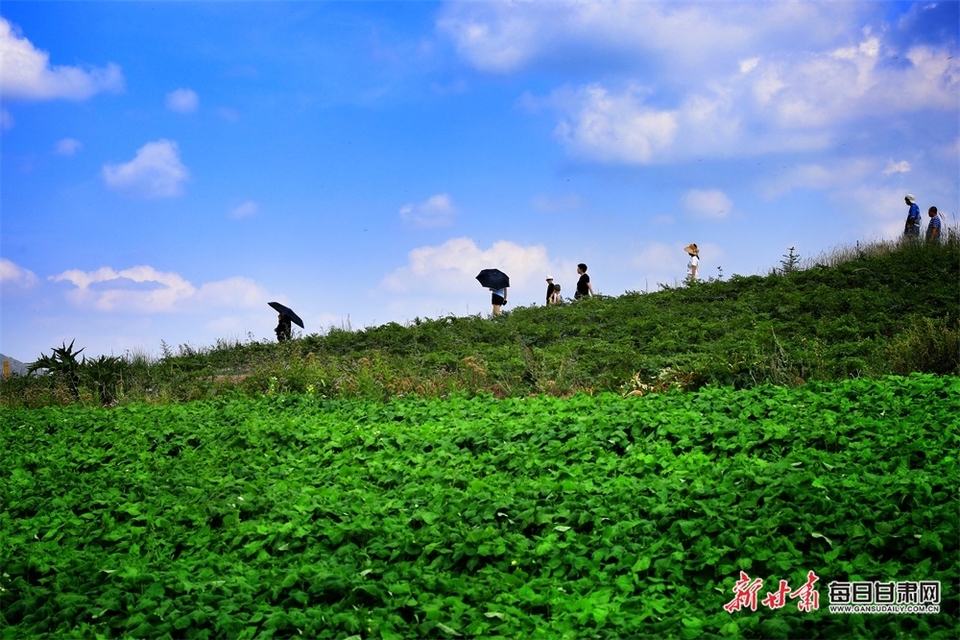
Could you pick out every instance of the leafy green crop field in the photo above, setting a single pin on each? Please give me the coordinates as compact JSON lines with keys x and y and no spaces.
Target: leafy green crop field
{"x":582,"y":517}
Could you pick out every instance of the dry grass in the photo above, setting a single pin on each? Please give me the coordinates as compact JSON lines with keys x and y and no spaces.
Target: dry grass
{"x":868,"y":249}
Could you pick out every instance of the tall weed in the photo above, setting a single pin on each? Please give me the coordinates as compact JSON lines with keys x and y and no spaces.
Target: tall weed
{"x":926,"y":344}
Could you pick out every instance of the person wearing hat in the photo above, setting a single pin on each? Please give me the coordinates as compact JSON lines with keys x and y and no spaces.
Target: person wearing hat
{"x":694,"y":263}
{"x":912,"y":226}
{"x":550,"y":287}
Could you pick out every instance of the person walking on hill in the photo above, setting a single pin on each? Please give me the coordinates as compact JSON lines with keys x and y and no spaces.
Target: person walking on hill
{"x":584,"y":288}
{"x":550,"y":289}
{"x":498,"y":298}
{"x":283,"y":329}
{"x":555,"y":297}
{"x":911,"y":227}
{"x":694,"y":264}
{"x":934,"y":227}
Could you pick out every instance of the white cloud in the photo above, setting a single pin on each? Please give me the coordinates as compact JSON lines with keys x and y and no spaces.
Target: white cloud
{"x":68,"y":146}
{"x":779,"y":104}
{"x":746,"y":66}
{"x":657,"y":37}
{"x":11,"y":274}
{"x":183,"y":101}
{"x":26,"y":72}
{"x":706,"y":79}
{"x":871,"y":79}
{"x":155,"y":172}
{"x":707,"y":203}
{"x":897,"y":167}
{"x":453,"y":266}
{"x":774,"y":104}
{"x":613,"y":127}
{"x":245,"y":210}
{"x":143,"y":289}
{"x":436,"y":211}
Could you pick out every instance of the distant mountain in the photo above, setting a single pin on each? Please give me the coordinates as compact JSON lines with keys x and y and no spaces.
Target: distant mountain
{"x":16,"y":367}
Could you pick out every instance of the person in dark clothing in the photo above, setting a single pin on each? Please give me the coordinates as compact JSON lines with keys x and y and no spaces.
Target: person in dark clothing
{"x":283,"y":329}
{"x":550,"y":289}
{"x":584,"y":288}
{"x":498,"y":298}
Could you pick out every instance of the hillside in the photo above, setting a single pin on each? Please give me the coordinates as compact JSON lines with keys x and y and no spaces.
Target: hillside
{"x":16,"y":367}
{"x":861,"y":312}
{"x":298,"y":493}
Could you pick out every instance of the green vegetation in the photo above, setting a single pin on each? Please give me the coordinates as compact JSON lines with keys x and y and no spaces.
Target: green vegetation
{"x":583,"y":517}
{"x":601,"y":469}
{"x":861,"y":312}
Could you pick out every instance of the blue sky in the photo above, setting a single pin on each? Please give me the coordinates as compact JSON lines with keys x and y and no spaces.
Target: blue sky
{"x":166,"y":169}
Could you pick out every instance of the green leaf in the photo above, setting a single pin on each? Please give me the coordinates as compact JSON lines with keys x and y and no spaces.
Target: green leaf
{"x":447,"y":630}
{"x":822,"y":537}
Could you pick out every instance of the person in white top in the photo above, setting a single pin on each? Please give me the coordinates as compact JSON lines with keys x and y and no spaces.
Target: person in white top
{"x":694,"y":263}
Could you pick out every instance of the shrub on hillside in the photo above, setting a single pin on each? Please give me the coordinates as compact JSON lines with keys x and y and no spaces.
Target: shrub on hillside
{"x":927,"y":344}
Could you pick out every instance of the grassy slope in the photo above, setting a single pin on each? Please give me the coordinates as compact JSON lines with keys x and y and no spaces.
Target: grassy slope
{"x":861,"y":317}
{"x":828,"y":322}
{"x":890,"y":309}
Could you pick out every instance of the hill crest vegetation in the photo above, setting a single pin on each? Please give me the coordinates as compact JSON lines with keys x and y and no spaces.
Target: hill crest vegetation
{"x":863,"y":311}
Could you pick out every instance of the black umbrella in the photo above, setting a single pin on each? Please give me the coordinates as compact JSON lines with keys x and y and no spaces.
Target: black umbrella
{"x":288,"y":312}
{"x":493,"y":279}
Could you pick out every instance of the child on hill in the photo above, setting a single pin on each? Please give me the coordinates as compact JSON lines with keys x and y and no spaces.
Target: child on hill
{"x":934,"y":227}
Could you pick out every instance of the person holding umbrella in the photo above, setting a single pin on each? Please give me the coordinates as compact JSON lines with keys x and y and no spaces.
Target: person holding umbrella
{"x":284,"y":318}
{"x":497,"y":282}
{"x":498,"y":299}
{"x":283,"y":329}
